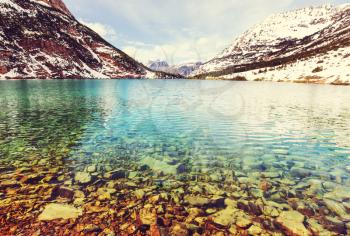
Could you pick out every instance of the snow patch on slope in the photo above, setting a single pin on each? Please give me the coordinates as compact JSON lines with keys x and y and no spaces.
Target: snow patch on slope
{"x":41,"y":3}
{"x":333,"y":67}
{"x":288,"y":25}
{"x":9,"y":6}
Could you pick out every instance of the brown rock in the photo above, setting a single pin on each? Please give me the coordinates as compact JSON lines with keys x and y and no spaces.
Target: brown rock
{"x":196,"y":200}
{"x":8,"y":184}
{"x":317,"y":229}
{"x":243,"y":222}
{"x":31,"y":179}
{"x":265,"y":186}
{"x":79,"y":194}
{"x":116,"y":174}
{"x":225,"y":217}
{"x":95,"y":209}
{"x":66,"y":192}
{"x":91,"y":228}
{"x":154,"y":230}
{"x":334,"y":224}
{"x":54,"y":211}
{"x":254,"y":230}
{"x":337,"y":208}
{"x":179,"y":230}
{"x":292,"y":223}
{"x":148,"y":215}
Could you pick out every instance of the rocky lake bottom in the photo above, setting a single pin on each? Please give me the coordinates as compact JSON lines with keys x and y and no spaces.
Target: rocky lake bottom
{"x":173,"y":158}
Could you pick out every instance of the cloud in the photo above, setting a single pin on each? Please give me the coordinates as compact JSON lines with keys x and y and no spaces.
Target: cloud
{"x":177,"y":30}
{"x":180,"y":50}
{"x":103,"y":30}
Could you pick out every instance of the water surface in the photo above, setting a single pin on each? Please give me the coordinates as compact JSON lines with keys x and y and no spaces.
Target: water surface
{"x":295,"y":137}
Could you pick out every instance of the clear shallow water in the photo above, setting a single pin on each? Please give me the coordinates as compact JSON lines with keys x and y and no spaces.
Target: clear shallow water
{"x":201,"y":119}
{"x":286,"y":134}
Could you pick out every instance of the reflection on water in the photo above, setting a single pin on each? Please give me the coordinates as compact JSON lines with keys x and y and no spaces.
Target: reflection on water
{"x":174,"y":156}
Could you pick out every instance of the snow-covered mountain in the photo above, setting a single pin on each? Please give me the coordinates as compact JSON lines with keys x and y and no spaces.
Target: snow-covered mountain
{"x":158,"y":65}
{"x":305,"y":45}
{"x":42,"y":39}
{"x":184,"y":69}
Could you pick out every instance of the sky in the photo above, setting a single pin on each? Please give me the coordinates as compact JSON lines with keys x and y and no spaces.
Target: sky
{"x":178,"y":31}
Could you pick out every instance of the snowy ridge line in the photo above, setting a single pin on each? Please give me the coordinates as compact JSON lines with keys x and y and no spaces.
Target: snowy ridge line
{"x":183,"y":69}
{"x":283,"y":40}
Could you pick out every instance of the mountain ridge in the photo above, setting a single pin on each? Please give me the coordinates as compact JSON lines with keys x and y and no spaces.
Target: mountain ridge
{"x":183,"y":69}
{"x":55,"y":4}
{"x":40,"y":39}
{"x":283,"y":40}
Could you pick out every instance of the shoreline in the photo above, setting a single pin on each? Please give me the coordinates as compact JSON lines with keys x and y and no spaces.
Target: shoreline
{"x":189,"y":79}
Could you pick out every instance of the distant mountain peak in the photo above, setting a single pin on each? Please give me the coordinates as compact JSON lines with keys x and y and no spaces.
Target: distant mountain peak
{"x":157,"y":64}
{"x":184,"y":69}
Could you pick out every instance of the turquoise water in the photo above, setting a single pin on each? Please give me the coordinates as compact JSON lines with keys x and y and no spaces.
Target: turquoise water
{"x":203,"y":119}
{"x":184,"y":130}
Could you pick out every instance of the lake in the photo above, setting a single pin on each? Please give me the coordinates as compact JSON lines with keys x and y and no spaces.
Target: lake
{"x":180,"y":156}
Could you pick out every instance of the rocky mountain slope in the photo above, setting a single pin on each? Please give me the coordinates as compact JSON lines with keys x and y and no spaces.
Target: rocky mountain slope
{"x":42,"y":39}
{"x":184,"y":69}
{"x":306,"y":45}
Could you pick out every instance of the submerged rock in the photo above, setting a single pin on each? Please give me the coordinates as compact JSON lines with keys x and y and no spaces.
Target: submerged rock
{"x":133,"y":174}
{"x":83,"y":177}
{"x":105,"y":194}
{"x":179,"y":230}
{"x":32,"y":179}
{"x":271,"y":175}
{"x":9,"y":184}
{"x":54,"y":211}
{"x":197,"y":200}
{"x":347,"y":169}
{"x":243,"y":222}
{"x":139,"y":194}
{"x":116,"y":174}
{"x":270,"y":211}
{"x":91,"y":169}
{"x":216,"y":177}
{"x":64,"y":192}
{"x":292,"y":223}
{"x":254,"y":230}
{"x":193,"y":213}
{"x":334,"y":224}
{"x":160,"y":166}
{"x":233,"y":230}
{"x":300,"y":172}
{"x":91,"y":228}
{"x":148,"y":215}
{"x":225,"y":217}
{"x":339,"y":194}
{"x":337,"y":208}
{"x":347,"y":205}
{"x":318,"y":229}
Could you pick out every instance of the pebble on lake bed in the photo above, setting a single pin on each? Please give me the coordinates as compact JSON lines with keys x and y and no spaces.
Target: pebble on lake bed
{"x":82,"y":177}
{"x":225,"y":217}
{"x":55,"y":211}
{"x":292,"y":223}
